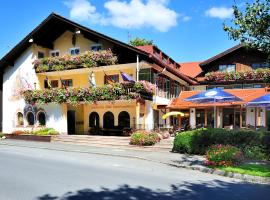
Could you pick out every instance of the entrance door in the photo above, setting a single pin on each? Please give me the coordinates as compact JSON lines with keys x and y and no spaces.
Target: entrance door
{"x":71,"y":122}
{"x":228,"y":117}
{"x":156,"y":119}
{"x":268,"y":119}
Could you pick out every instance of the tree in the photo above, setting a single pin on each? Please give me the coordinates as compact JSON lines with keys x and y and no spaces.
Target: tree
{"x":252,"y":26}
{"x":140,"y":42}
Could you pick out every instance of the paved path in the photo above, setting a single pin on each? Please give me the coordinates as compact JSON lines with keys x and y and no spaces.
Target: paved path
{"x":36,"y":173}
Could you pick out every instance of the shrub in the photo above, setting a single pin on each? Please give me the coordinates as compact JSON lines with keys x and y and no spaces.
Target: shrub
{"x":198,"y":141}
{"x":223,"y":155}
{"x":255,"y":152}
{"x":45,"y":131}
{"x":144,"y":139}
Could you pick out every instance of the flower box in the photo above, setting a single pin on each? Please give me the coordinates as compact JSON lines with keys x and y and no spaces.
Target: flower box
{"x":241,"y":76}
{"x":74,"y":96}
{"x":87,"y":59}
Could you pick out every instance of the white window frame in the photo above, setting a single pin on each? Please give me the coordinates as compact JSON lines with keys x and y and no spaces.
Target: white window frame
{"x":96,"y":45}
{"x":74,"y":48}
{"x":54,"y":51}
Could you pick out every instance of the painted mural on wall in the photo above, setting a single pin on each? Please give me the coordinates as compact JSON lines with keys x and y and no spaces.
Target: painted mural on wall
{"x":20,"y":84}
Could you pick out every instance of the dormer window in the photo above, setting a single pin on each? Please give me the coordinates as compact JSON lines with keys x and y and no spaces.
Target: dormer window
{"x":55,"y":53}
{"x":74,"y":51}
{"x":227,"y":68}
{"x":96,"y":47}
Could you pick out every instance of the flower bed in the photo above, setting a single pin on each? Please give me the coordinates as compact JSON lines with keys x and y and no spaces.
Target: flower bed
{"x":142,"y":138}
{"x":88,"y":59}
{"x":252,"y":75}
{"x":223,"y":155}
{"x":73,"y":96}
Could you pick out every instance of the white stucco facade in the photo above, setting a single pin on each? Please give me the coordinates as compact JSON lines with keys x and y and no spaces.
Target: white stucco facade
{"x":23,"y":76}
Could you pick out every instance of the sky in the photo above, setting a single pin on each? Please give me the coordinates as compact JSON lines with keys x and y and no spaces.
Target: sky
{"x":186,"y":30}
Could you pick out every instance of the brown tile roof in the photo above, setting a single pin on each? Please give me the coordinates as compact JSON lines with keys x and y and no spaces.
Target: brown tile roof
{"x":191,"y":69}
{"x":245,"y":94}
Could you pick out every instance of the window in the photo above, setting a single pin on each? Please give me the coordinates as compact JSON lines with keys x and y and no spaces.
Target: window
{"x":247,"y":86}
{"x":30,"y":119}
{"x":227,"y":68}
{"x":94,"y":120}
{"x":260,"y":65}
{"x":19,"y":119}
{"x":258,"y":85}
{"x":40,"y":55}
{"x":74,"y":51}
{"x":145,"y":74}
{"x":108,"y":79}
{"x":108,"y":120}
{"x":96,"y":47}
{"x":237,"y":86}
{"x":41,"y":118}
{"x":177,"y":89}
{"x":124,"y":119}
{"x":55,"y":53}
{"x":53,"y":83}
{"x":67,"y":83}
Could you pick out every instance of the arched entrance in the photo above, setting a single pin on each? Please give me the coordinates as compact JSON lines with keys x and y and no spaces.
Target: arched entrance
{"x":94,"y":120}
{"x":108,"y":120}
{"x":124,"y":119}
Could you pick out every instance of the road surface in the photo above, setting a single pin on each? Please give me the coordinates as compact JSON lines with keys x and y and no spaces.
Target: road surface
{"x":33,"y":173}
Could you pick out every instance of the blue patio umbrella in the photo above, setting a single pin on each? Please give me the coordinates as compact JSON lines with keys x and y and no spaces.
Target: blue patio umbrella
{"x":215,"y":95}
{"x":263,"y":101}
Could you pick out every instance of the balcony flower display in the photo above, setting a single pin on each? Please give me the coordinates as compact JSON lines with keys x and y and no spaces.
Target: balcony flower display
{"x":87,"y":59}
{"x":251,"y":75}
{"x":74,"y":96}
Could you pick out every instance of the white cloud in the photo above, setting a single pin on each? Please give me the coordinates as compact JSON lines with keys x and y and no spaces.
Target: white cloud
{"x":219,"y":12}
{"x":82,"y":10}
{"x":127,"y":14}
{"x":186,"y":18}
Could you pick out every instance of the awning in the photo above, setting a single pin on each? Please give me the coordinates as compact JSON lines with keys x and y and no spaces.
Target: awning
{"x":174,"y":113}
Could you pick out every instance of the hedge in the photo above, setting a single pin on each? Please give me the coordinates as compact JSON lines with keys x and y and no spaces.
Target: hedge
{"x":198,"y":141}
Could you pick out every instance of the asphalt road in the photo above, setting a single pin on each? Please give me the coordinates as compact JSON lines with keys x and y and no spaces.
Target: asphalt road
{"x":31,"y":173}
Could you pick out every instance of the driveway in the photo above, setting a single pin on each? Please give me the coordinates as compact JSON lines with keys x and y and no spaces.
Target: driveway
{"x":33,"y":173}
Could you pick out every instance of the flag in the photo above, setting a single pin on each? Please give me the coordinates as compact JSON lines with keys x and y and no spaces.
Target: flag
{"x":127,"y":77}
{"x":48,"y":82}
{"x":92,"y":80}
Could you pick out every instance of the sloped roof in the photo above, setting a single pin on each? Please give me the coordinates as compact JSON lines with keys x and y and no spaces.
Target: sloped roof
{"x":150,"y":49}
{"x":49,"y":30}
{"x":55,"y":25}
{"x":245,"y":94}
{"x":220,"y":55}
{"x":191,"y":69}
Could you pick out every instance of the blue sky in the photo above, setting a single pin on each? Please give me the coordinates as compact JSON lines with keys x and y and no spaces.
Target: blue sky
{"x":187,"y":30}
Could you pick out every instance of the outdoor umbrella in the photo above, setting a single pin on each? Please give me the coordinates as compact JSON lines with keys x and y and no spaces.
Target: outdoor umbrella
{"x":263,"y":101}
{"x":174,"y":113}
{"x":215,"y":95}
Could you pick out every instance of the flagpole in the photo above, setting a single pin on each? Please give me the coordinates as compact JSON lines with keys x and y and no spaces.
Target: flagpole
{"x":215,"y":113}
{"x":137,"y":68}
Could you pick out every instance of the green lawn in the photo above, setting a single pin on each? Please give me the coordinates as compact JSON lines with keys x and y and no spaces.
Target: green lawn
{"x":251,"y":169}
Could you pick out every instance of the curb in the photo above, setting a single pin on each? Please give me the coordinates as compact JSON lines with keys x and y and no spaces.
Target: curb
{"x":244,"y":177}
